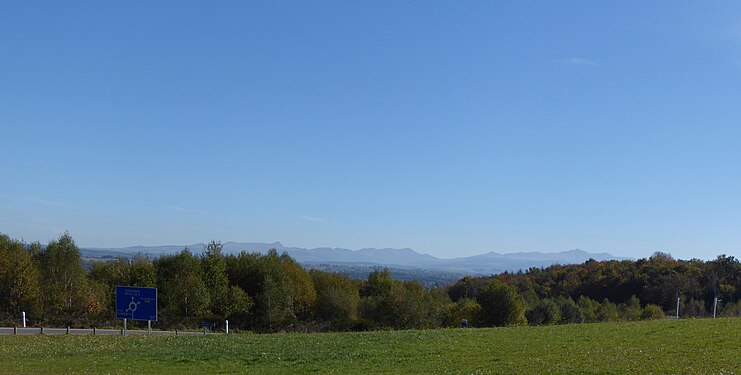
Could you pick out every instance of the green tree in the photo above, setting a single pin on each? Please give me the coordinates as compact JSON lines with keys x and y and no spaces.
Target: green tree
{"x":380,"y":295}
{"x":722,"y":278}
{"x":544,"y":313}
{"x":265,"y":280}
{"x":215,"y":277}
{"x":243,"y":270}
{"x":392,"y":303}
{"x":180,"y":282}
{"x":142,"y":272}
{"x":467,"y":287}
{"x":103,"y":277}
{"x":607,"y":312}
{"x":238,"y":304}
{"x":570,"y":312}
{"x":65,"y":287}
{"x":275,"y":299}
{"x":337,"y":299}
{"x":631,"y":310}
{"x":437,"y":308}
{"x":407,"y":304}
{"x":588,"y":308}
{"x":501,"y":305}
{"x":379,"y":283}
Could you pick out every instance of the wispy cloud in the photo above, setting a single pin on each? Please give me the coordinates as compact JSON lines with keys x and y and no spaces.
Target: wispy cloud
{"x":578,"y":61}
{"x":311,"y":218}
{"x":183,"y":209}
{"x":294,"y":214}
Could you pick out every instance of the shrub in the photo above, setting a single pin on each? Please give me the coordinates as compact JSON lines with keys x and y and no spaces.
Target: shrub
{"x":651,"y":312}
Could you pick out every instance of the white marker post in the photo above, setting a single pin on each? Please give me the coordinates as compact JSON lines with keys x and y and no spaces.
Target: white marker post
{"x":715,"y":305}
{"x":124,"y":330}
{"x":149,"y":327}
{"x":24,"y":318}
{"x":677,"y":307}
{"x":227,"y":327}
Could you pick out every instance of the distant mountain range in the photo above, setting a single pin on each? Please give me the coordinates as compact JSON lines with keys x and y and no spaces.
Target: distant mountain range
{"x":484,"y":264}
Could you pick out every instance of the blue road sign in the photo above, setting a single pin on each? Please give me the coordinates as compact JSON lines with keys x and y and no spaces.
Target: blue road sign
{"x":136,"y":303}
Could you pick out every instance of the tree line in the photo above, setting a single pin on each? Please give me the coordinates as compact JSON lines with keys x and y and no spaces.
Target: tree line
{"x":621,"y":290}
{"x":272,"y":292}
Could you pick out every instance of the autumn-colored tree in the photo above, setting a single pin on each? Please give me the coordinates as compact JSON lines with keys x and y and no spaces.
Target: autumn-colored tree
{"x":304,"y":293}
{"x":20,"y":280}
{"x":651,"y":312}
{"x":464,"y":308}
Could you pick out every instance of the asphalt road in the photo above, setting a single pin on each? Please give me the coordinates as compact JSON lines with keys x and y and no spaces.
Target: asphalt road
{"x":88,"y":331}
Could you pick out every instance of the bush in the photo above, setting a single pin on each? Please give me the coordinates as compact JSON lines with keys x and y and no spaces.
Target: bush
{"x":607,"y":312}
{"x":570,"y":313}
{"x":631,"y":310}
{"x":651,"y":312}
{"x":545,"y":312}
{"x":588,"y":308}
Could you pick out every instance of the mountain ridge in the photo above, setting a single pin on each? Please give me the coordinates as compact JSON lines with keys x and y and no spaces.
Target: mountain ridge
{"x":487,"y":263}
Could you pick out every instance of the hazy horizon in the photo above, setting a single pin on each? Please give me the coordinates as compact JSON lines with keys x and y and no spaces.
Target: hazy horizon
{"x":420,"y":251}
{"x":450,"y":128}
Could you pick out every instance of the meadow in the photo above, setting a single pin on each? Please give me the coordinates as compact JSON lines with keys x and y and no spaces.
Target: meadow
{"x":665,"y":346}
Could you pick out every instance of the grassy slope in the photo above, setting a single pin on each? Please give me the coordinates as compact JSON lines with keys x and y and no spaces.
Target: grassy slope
{"x":685,"y":346}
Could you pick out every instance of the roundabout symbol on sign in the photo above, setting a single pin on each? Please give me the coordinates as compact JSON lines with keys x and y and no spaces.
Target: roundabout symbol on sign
{"x":133,"y":305}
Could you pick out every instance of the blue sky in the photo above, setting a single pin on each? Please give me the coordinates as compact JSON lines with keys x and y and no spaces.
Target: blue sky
{"x":454,"y":128}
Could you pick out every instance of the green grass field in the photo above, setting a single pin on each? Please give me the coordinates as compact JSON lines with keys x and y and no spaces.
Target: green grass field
{"x":683,"y":347}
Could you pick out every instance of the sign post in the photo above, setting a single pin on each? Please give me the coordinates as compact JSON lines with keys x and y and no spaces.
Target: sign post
{"x":136,"y":303}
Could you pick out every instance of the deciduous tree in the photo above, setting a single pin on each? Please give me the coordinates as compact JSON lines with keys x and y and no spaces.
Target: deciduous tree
{"x":500,"y":305}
